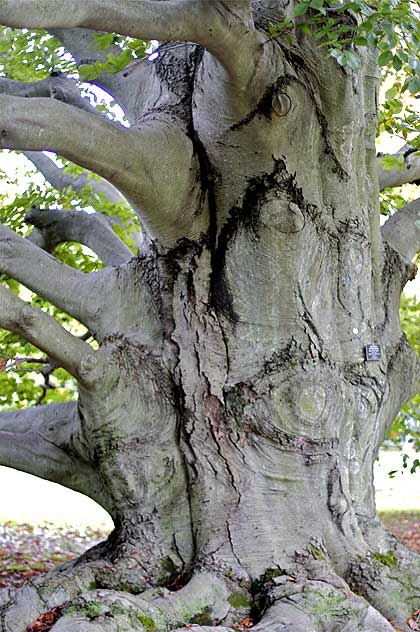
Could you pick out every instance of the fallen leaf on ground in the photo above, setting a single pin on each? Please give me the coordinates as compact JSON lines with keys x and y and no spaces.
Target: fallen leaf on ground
{"x":245,"y":624}
{"x":413,"y":621}
{"x":45,"y":621}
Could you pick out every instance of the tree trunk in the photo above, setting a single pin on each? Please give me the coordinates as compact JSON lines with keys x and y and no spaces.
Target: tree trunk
{"x":232,"y":415}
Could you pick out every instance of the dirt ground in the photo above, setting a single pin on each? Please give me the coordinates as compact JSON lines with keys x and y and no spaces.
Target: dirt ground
{"x":405,"y":525}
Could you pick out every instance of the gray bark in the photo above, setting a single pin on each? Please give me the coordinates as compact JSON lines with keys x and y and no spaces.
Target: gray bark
{"x":54,"y":227}
{"x":230,"y":415}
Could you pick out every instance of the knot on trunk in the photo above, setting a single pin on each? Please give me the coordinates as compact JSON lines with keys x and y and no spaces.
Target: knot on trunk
{"x":281,"y":103}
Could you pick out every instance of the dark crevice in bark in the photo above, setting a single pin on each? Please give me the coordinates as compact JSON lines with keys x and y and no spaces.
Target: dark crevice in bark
{"x":247,"y":217}
{"x":261,"y":592}
{"x":209,"y":182}
{"x":215,"y":416}
{"x":286,"y":356}
{"x":175,"y":67}
{"x":364,"y":574}
{"x":312,"y":332}
{"x":264,"y":106}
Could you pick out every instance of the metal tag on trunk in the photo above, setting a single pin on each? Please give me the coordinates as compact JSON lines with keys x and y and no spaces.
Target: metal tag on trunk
{"x":373,"y":352}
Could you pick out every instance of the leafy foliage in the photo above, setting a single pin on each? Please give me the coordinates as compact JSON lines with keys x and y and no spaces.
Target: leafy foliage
{"x":131,"y":49}
{"x":32,"y":55}
{"x":392,"y":27}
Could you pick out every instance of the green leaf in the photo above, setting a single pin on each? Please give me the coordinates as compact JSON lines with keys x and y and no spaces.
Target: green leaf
{"x":88,"y":72}
{"x":397,"y":63}
{"x":391,"y":93}
{"x":385,"y":58}
{"x":301,"y":8}
{"x":361,"y":40}
{"x":414,"y":85}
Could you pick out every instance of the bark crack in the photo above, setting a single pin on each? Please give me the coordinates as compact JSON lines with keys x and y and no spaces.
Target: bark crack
{"x":231,"y":543}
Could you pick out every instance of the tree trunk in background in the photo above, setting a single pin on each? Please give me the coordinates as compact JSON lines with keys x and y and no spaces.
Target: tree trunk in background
{"x":231,"y":418}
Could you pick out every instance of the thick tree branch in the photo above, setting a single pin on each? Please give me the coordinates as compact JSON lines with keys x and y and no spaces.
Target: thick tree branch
{"x":59,"y":88}
{"x":53,"y":227}
{"x":61,"y":180}
{"x":43,"y":441}
{"x":134,"y":160}
{"x":402,"y":230}
{"x":226,"y":29}
{"x":396,"y":177}
{"x":34,"y":325}
{"x":96,"y":143}
{"x":68,"y":289}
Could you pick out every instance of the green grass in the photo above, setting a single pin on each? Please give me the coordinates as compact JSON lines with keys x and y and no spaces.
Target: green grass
{"x":397,"y":517}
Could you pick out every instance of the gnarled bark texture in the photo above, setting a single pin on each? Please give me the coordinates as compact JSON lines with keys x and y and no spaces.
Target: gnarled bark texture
{"x":230,"y":419}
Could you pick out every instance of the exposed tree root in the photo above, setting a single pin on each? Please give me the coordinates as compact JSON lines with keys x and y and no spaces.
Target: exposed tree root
{"x":83,"y":606}
{"x":315,"y":606}
{"x":382,"y":591}
{"x":389,"y":578}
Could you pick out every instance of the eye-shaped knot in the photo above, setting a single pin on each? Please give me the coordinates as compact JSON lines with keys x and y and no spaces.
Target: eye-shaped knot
{"x":281,"y":103}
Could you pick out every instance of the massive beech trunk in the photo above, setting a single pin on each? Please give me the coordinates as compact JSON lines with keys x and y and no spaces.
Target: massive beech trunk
{"x":230,"y":419}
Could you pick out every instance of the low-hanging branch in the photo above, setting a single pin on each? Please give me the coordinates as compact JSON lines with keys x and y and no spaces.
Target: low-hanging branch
{"x":67,"y":288}
{"x":61,"y":180}
{"x":131,"y":159}
{"x":43,"y":441}
{"x":53,"y":227}
{"x":402,"y":230}
{"x":225,"y":29}
{"x":43,"y":331}
{"x":57,"y":87}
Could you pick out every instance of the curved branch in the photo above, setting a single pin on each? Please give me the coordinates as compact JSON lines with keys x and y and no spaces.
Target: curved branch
{"x":68,"y":289}
{"x":226,"y":29}
{"x":93,"y":230}
{"x":61,"y":180}
{"x":34,"y":325}
{"x":42,"y":441}
{"x":131,"y":159}
{"x":402,"y":230}
{"x":57,"y":87}
{"x":396,"y":177}
{"x":96,"y":143}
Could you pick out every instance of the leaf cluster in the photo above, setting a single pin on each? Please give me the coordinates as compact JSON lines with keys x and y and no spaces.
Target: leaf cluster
{"x":32,"y":55}
{"x":390,"y":26}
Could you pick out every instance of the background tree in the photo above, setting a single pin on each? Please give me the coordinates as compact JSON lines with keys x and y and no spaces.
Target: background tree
{"x":228,"y":414}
